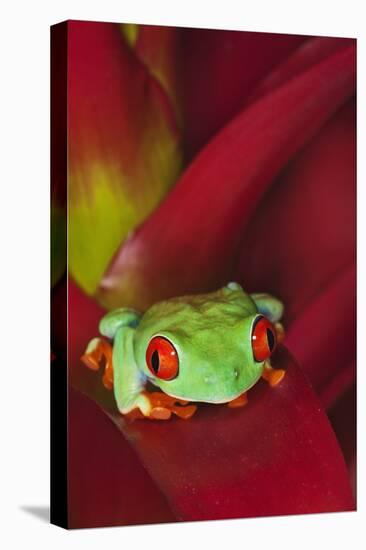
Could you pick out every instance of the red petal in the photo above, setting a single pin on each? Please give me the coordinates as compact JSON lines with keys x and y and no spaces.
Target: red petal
{"x":343,"y":419}
{"x":277,"y":455}
{"x":191,"y":242}
{"x":310,"y":52}
{"x":157,"y":48}
{"x":107,"y":483}
{"x":323,"y":338}
{"x":219,"y":70}
{"x":311,"y":213}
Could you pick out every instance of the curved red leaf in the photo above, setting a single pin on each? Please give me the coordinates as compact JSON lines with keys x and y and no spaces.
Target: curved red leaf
{"x":278,"y":455}
{"x":323,"y":338}
{"x":343,"y":419}
{"x":191,"y":242}
{"x":107,"y":483}
{"x":236,"y":60}
{"x":158,"y":48}
{"x":311,"y":51}
{"x":311,"y":210}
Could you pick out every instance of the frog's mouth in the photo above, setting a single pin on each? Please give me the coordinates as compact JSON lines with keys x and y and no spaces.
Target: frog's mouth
{"x":212,"y":400}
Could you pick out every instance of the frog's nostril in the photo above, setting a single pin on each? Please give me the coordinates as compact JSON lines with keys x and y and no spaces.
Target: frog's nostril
{"x":236,"y":373}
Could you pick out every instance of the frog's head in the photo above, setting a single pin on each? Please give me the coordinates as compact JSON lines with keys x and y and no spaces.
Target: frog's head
{"x":209,"y":347}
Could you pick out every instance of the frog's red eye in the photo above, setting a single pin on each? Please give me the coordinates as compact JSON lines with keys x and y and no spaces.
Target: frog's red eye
{"x":162,"y":358}
{"x":263,"y":339}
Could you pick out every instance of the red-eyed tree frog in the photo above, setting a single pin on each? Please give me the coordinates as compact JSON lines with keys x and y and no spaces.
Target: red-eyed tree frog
{"x":208,"y":347}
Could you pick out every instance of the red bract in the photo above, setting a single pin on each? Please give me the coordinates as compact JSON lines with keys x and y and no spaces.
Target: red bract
{"x":107,"y":483}
{"x":155,"y":46}
{"x":219,"y":69}
{"x":309,"y":53}
{"x":306,"y":222}
{"x":329,"y":359}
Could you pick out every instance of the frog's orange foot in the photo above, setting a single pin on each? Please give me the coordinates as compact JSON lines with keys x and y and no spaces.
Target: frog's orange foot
{"x":163,"y":406}
{"x":273,"y":376}
{"x":97,"y":351}
{"x":239,"y":401}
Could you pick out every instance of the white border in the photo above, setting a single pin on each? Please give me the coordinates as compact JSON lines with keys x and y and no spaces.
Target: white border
{"x":24,"y":222}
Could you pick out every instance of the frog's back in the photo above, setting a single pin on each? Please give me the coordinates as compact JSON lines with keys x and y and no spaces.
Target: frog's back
{"x":224,"y":307}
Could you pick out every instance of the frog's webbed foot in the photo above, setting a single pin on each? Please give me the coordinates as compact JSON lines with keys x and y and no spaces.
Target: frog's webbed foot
{"x":163,"y":406}
{"x":271,"y":375}
{"x":238,"y":401}
{"x":160,"y":406}
{"x":97,"y":351}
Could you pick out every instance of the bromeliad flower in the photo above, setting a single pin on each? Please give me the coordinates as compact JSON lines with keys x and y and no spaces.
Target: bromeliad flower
{"x":261,"y":128}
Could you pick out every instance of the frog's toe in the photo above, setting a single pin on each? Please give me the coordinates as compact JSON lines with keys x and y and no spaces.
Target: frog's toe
{"x":135,"y":414}
{"x":240,"y":401}
{"x":185,"y":412}
{"x":273,"y":376}
{"x":160,"y":413}
{"x":163,"y":406}
{"x":97,"y":351}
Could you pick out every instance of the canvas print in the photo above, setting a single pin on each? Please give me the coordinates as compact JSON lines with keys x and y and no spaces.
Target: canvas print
{"x":203,"y":337}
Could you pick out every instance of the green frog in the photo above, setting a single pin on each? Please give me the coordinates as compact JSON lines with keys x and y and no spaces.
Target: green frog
{"x":208,"y":348}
